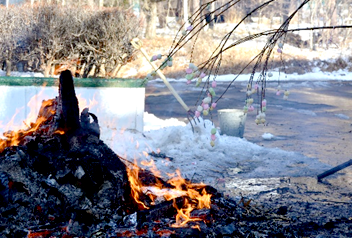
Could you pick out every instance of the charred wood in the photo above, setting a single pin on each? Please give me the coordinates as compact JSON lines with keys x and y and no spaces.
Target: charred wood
{"x":69,"y":102}
{"x":164,"y":209}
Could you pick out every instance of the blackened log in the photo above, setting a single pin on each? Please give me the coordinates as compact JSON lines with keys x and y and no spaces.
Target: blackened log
{"x":87,"y":126}
{"x":164,"y":209}
{"x":69,"y":102}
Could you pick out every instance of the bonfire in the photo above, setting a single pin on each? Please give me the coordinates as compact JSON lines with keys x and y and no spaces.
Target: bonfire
{"x":58,"y":179}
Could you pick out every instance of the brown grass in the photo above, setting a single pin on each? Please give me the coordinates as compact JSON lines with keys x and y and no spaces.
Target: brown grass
{"x":233,"y":61}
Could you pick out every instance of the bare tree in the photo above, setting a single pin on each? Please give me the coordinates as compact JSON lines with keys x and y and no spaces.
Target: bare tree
{"x":11,"y":37}
{"x":195,"y":4}
{"x":329,"y":13}
{"x":149,"y":8}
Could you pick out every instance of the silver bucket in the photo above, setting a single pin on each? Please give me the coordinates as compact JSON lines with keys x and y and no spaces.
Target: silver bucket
{"x":232,"y":122}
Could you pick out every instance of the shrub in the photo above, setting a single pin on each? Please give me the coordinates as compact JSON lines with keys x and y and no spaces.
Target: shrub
{"x":105,"y":44}
{"x":87,"y":41}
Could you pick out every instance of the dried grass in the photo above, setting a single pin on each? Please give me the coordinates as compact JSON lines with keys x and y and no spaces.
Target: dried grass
{"x":234,"y":60}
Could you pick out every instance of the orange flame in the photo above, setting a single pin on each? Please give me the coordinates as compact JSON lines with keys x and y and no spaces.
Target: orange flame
{"x":82,"y":102}
{"x":14,"y":135}
{"x":202,"y":200}
{"x":193,"y":198}
{"x":33,"y":104}
{"x":11,"y":137}
{"x":59,"y":132}
{"x":136,"y":185}
{"x":151,"y":165}
{"x":184,"y":215}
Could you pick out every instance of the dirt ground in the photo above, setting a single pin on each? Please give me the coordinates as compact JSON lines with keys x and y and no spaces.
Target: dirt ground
{"x":315,"y":121}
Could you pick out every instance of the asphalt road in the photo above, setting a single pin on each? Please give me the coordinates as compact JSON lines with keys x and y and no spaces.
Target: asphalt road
{"x":316,"y":120}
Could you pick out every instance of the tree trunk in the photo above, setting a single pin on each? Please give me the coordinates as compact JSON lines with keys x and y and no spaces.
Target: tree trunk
{"x":89,"y":70}
{"x":195,"y":6}
{"x":162,"y":14}
{"x":150,"y":11}
{"x":47,"y":69}
{"x":83,"y":67}
{"x":52,"y":70}
{"x":116,"y":70}
{"x":185,"y":12}
{"x":8,"y":67}
{"x":93,"y":71}
{"x":102,"y":70}
{"x":179,"y":12}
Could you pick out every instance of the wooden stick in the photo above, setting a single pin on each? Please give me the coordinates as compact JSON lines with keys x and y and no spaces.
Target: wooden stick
{"x":334,"y":170}
{"x":138,"y":45}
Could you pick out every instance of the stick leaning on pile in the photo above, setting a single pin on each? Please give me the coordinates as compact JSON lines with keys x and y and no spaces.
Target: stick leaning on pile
{"x":138,"y":45}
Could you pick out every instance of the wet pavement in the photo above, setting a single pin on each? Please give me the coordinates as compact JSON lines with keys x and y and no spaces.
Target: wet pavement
{"x":315,"y":121}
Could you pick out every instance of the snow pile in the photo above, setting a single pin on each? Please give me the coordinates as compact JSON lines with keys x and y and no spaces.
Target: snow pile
{"x":151,"y":122}
{"x":192,"y":154}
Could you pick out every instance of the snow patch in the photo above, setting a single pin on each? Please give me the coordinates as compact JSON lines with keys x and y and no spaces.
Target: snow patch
{"x":267,"y":136}
{"x":342,"y":116}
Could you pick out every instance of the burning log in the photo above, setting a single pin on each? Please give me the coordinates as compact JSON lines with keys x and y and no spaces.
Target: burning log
{"x":165,"y":209}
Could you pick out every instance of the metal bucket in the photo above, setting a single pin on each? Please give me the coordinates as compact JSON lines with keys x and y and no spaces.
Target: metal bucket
{"x":232,"y":122}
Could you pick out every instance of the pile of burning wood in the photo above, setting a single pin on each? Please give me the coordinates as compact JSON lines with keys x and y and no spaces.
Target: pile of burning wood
{"x":58,"y":179}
